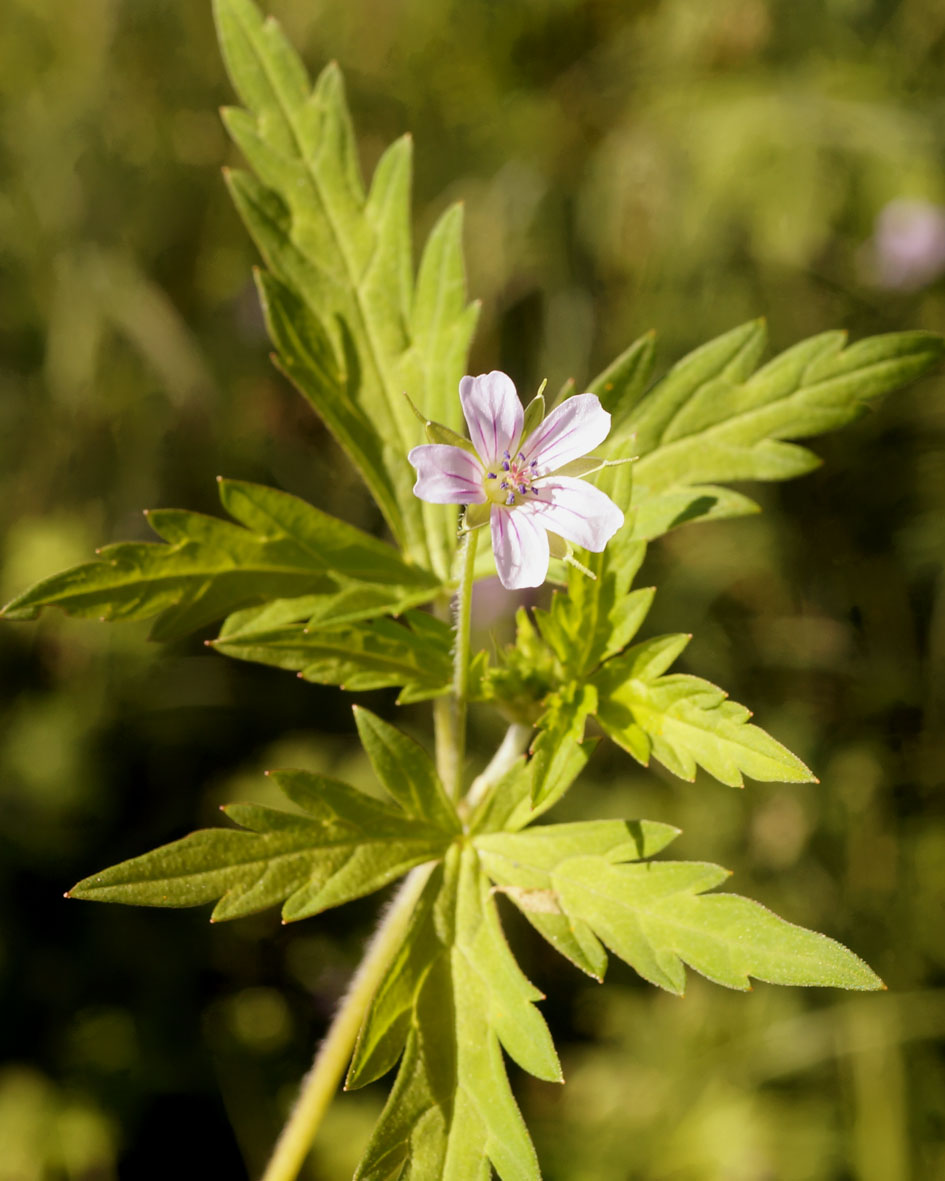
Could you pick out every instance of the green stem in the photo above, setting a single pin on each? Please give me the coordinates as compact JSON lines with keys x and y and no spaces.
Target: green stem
{"x":321,"y":1082}
{"x":463,"y":615}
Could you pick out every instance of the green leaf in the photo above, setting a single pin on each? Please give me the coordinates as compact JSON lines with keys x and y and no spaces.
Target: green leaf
{"x":599,"y":615}
{"x":378,"y":654}
{"x":712,"y":418}
{"x":352,"y":327}
{"x":453,"y":999}
{"x":566,"y":711}
{"x":406,"y":771}
{"x":343,"y":845}
{"x":623,"y":383}
{"x":521,"y":865}
{"x":656,"y":917}
{"x":684,"y":722}
{"x":507,"y":806}
{"x":281,"y":548}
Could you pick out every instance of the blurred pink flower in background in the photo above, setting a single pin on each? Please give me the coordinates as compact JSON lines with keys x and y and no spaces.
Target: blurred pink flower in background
{"x":907,"y":250}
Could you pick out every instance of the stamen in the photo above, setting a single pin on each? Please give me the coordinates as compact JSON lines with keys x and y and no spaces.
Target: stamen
{"x":523,"y":488}
{"x":504,"y":484}
{"x":510,"y":499}
{"x":491,"y":476}
{"x":505,"y":465}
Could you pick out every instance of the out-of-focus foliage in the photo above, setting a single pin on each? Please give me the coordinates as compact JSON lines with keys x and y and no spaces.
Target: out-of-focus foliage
{"x":673,"y":165}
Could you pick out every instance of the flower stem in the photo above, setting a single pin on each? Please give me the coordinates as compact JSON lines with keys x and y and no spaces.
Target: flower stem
{"x":321,"y":1082}
{"x":463,"y":615}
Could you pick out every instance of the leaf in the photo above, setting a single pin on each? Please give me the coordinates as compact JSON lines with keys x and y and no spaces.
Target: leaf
{"x":352,"y":327}
{"x":453,"y":999}
{"x":599,"y":615}
{"x":378,"y":654}
{"x":507,"y":806}
{"x":521,"y":865}
{"x":344,"y":845}
{"x":684,"y":722}
{"x":712,"y":418}
{"x":281,"y":548}
{"x":656,"y":917}
{"x":623,"y":383}
{"x":406,"y":771}
{"x":566,"y":711}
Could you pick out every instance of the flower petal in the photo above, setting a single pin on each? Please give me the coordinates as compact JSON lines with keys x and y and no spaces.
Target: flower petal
{"x":493,"y":414}
{"x":570,"y":430}
{"x":520,"y":545}
{"x":575,"y":509}
{"x":447,"y":475}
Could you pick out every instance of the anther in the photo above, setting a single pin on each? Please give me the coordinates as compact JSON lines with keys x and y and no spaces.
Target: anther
{"x":491,"y":476}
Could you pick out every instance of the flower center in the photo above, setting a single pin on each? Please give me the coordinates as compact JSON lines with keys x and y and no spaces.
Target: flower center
{"x":513,"y":479}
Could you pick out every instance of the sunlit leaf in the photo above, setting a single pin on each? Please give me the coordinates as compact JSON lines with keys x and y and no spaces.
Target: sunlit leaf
{"x":342,"y":845}
{"x":453,"y":1000}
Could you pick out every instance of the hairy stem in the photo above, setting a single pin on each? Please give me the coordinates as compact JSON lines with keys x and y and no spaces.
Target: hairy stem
{"x":513,"y":744}
{"x":321,"y":1082}
{"x":467,"y":558}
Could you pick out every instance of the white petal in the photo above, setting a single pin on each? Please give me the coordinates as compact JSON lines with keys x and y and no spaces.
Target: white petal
{"x":575,"y":509}
{"x":520,"y":545}
{"x":493,"y":414}
{"x":570,"y":431}
{"x":447,"y":475}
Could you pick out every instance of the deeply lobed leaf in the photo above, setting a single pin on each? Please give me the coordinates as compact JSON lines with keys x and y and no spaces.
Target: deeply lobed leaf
{"x":281,"y":547}
{"x":352,"y":327}
{"x":453,"y":1000}
{"x":341,"y":846}
{"x":713,"y":418}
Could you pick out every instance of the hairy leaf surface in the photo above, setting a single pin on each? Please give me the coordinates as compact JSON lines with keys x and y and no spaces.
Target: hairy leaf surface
{"x":684,"y":722}
{"x":342,"y":845}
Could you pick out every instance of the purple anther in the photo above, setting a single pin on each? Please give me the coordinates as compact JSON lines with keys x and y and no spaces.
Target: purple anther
{"x":491,"y":476}
{"x":510,"y":499}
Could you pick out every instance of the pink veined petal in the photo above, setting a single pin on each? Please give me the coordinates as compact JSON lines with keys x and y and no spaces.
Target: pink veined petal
{"x":520,"y":545}
{"x":447,"y":475}
{"x":493,"y":414}
{"x":574,"y":509}
{"x":570,"y":431}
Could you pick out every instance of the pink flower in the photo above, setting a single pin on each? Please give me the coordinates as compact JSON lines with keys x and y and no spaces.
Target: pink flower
{"x":528,"y":482}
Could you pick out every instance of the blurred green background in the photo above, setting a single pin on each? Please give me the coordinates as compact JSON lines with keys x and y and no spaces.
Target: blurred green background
{"x":669,"y":164}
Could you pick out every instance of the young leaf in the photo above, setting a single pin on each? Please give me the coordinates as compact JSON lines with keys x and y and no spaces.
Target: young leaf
{"x":352,"y":328}
{"x":281,"y":548}
{"x":378,"y":654}
{"x":684,"y":722}
{"x":453,"y":999}
{"x":712,"y":419}
{"x":656,"y":917}
{"x":344,"y":846}
{"x":566,"y":711}
{"x":599,"y":615}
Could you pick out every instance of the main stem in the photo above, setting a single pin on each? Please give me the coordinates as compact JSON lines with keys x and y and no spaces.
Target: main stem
{"x":463,"y":616}
{"x":321,"y":1083}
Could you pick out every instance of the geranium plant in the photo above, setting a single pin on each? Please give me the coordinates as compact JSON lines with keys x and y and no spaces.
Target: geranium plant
{"x":571,"y":494}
